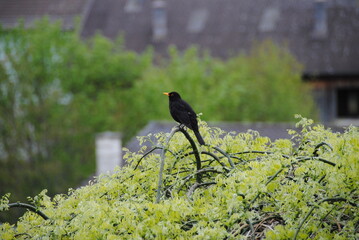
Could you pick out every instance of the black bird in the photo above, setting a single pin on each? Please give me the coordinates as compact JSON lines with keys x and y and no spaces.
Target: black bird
{"x":182,"y":112}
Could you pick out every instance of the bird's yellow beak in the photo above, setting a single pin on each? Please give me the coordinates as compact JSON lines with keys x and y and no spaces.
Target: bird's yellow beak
{"x":166,"y":93}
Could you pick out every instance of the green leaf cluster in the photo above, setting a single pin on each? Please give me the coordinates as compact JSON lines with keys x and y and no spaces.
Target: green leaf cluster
{"x":250,"y":188}
{"x":262,"y":85}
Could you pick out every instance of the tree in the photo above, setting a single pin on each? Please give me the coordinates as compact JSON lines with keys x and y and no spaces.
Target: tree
{"x":57,"y":92}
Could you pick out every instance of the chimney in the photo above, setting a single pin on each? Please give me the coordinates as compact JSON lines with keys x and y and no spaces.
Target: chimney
{"x":320,"y":29}
{"x":159,"y":20}
{"x":108,"y":152}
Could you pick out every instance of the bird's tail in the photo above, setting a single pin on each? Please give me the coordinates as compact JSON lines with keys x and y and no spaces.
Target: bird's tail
{"x":199,"y":138}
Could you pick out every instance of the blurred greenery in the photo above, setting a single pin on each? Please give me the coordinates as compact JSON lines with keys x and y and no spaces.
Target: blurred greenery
{"x":58,"y":90}
{"x":264,"y":85}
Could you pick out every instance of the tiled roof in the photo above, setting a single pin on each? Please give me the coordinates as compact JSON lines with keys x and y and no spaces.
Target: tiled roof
{"x":224,"y":27}
{"x":30,"y":10}
{"x":228,"y":27}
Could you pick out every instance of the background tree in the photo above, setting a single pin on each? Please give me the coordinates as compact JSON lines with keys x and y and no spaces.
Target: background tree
{"x":57,"y":92}
{"x":264,"y":85}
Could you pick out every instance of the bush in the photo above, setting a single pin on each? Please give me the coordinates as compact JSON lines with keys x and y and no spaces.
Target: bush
{"x":246,"y":187}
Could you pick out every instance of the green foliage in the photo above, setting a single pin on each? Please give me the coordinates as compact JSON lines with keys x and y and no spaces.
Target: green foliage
{"x":304,"y":187}
{"x":31,"y":152}
{"x":56,"y":93}
{"x":100,"y":65}
{"x":264,"y":85}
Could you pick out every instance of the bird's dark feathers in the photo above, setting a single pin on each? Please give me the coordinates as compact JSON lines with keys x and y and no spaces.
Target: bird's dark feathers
{"x":183,"y":113}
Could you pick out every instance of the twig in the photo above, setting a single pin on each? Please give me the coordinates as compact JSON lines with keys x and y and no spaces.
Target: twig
{"x":150,"y":151}
{"x":259,"y":152}
{"x":217,"y":159}
{"x":317,"y":158}
{"x":145,"y":155}
{"x":30,"y":207}
{"x":331,"y":200}
{"x":23,"y":234}
{"x":226,"y":155}
{"x":315,"y":152}
{"x":252,"y":229}
{"x":197,"y":185}
{"x":203,"y":170}
{"x":162,"y":164}
{"x":271,"y":178}
{"x":195,"y":150}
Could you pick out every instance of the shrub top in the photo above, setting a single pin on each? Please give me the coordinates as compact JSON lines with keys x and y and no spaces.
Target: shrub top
{"x":240,"y":185}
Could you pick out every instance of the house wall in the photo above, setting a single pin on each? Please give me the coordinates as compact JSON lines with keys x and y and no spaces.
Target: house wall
{"x":330,"y":94}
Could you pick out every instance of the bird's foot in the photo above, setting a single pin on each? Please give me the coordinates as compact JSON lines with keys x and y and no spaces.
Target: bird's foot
{"x":181,"y":126}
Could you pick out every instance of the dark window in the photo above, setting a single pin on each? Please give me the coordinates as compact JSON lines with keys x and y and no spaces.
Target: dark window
{"x":348,"y":103}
